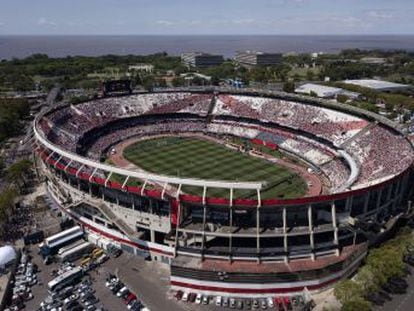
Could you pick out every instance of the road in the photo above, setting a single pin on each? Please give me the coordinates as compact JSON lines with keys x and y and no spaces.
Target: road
{"x":401,"y":302}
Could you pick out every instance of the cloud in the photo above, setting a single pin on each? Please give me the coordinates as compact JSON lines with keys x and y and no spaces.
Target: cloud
{"x":166,"y":23}
{"x":45,"y":22}
{"x":380,"y":14}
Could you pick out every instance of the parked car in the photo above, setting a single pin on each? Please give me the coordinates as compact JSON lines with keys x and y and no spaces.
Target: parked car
{"x":225,"y":302}
{"x":198,"y":299}
{"x":287,"y":303}
{"x":192,"y":297}
{"x":232,"y":303}
{"x":269,"y":302}
{"x":178,"y":295}
{"x":205,"y":300}
{"x":185,"y":296}
{"x":219,"y":301}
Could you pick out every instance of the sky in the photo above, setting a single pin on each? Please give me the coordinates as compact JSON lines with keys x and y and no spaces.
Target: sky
{"x":169,"y":17}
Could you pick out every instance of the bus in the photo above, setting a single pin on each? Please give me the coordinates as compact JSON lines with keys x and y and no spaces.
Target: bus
{"x":70,"y":246}
{"x":65,"y":279}
{"x":76,"y":252}
{"x":85,"y":261}
{"x":97,"y":252}
{"x":52,"y":244}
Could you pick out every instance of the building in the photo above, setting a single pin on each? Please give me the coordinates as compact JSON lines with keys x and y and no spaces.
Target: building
{"x":231,"y":245}
{"x":373,"y":60}
{"x":201,"y":60}
{"x":378,"y":85}
{"x":255,"y":58}
{"x":141,"y":67}
{"x":324,"y":91}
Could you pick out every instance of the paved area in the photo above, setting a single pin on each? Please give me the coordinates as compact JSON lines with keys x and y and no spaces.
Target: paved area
{"x":149,"y":280}
{"x":106,"y":298}
{"x":403,"y":302}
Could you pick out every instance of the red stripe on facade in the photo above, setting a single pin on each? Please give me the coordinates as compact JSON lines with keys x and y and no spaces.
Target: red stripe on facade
{"x":235,"y":290}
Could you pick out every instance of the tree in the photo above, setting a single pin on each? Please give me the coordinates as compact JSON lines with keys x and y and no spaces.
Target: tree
{"x":347,"y":290}
{"x":313,"y":94}
{"x":367,"y":280}
{"x":289,"y":87}
{"x":148,"y":83}
{"x":358,"y":304}
{"x":310,"y":76}
{"x":18,"y":171}
{"x":178,"y":81}
{"x":342,"y":98}
{"x":1,"y":166}
{"x":7,"y":200}
{"x":386,"y":262}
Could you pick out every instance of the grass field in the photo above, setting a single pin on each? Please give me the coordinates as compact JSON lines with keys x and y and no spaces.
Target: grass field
{"x":198,"y":158}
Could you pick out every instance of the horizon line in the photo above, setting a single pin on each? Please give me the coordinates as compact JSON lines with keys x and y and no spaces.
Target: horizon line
{"x":217,"y":35}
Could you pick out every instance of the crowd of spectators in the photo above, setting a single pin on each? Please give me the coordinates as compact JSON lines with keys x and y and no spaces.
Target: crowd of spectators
{"x":379,"y":152}
{"x":332,"y":125}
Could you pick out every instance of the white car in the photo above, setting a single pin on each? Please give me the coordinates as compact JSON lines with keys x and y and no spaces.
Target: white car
{"x":185,"y":296}
{"x":270,"y":303}
{"x":121,"y":291}
{"x":198,"y":299}
{"x":219,"y":301}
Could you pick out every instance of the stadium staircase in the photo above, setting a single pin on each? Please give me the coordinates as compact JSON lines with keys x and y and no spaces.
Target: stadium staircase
{"x":211,"y":109}
{"x":119,"y":222}
{"x":347,"y":142}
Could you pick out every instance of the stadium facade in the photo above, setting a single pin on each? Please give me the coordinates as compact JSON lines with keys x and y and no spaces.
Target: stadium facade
{"x":233,"y":245}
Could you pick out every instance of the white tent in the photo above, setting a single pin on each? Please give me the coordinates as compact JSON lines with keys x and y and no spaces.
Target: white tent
{"x":7,"y":254}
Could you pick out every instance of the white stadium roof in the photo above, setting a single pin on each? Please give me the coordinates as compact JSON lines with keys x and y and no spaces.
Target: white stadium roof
{"x":378,"y":85}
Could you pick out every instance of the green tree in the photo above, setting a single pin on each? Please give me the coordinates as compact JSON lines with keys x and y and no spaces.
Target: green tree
{"x":367,"y":280}
{"x":148,"y":83}
{"x":289,"y":87}
{"x":18,"y":172}
{"x":357,"y":304}
{"x":1,"y":166}
{"x":178,"y":81}
{"x":7,"y":200}
{"x":342,"y":98}
{"x":310,"y":76}
{"x":347,"y":290}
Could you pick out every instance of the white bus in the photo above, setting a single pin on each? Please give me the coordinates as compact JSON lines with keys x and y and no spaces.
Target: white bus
{"x":65,"y":279}
{"x":52,"y":244}
{"x":70,"y":246}
{"x":76,"y":252}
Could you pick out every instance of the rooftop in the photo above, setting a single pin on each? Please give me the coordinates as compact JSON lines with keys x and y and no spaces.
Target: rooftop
{"x":378,"y":85}
{"x":324,"y":91}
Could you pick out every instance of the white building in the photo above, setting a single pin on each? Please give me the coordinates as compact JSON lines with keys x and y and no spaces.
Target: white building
{"x":324,"y":91}
{"x":378,"y":85}
{"x":141,"y":67}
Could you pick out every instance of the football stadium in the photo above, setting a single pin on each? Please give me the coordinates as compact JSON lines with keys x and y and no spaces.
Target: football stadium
{"x":240,"y":192}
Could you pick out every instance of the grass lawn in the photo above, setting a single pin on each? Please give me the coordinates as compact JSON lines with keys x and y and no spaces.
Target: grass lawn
{"x":198,"y":158}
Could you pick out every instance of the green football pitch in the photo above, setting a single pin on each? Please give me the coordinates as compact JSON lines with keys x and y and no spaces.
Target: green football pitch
{"x":204,"y":159}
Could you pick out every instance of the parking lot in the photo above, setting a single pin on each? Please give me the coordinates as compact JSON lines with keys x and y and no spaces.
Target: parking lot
{"x":148,"y":280}
{"x":40,"y":291}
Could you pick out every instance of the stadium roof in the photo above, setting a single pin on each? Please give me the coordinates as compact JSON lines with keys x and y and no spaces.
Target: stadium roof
{"x":378,"y":85}
{"x":324,"y":91}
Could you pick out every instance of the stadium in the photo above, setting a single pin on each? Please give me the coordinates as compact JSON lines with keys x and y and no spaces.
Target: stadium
{"x":241,"y":192}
